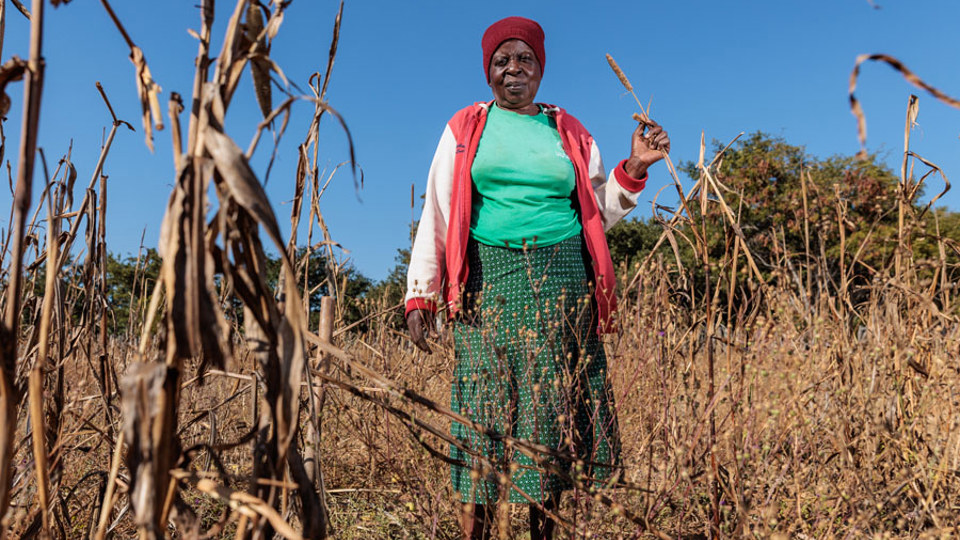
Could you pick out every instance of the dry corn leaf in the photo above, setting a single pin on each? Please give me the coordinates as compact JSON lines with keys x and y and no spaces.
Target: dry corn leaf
{"x":242,"y":182}
{"x":323,"y":105}
{"x":180,"y":312}
{"x":148,"y":91}
{"x":249,"y":505}
{"x":273,"y":25}
{"x":273,"y":66}
{"x":933,"y":168}
{"x":332,"y":55}
{"x":291,"y":351}
{"x":194,"y":319}
{"x":303,"y":165}
{"x":243,"y":186}
{"x":259,"y":60}
{"x":910,"y":76}
{"x":11,"y":70}
{"x":233,"y":56}
{"x":141,"y":389}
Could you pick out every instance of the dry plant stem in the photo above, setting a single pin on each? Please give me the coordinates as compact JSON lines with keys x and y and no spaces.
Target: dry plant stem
{"x":267,"y":122}
{"x":116,"y":21}
{"x":244,"y":503}
{"x":40,"y":446}
{"x":174,"y":108}
{"x":108,"y":372}
{"x":711,"y":183}
{"x":535,"y":451}
{"x":97,"y":249}
{"x":708,"y":306}
{"x":707,"y":183}
{"x":147,"y":88}
{"x":916,"y":186}
{"x":37,"y":373}
{"x":737,"y":412}
{"x":230,"y":62}
{"x":904,"y":185}
{"x":806,"y":240}
{"x":200,"y":75}
{"x":9,"y":400}
{"x":316,"y":399}
{"x":911,"y":77}
{"x":642,"y":119}
{"x":944,"y":269}
{"x":666,"y":235}
{"x":110,"y":498}
{"x":334,"y":42}
{"x":133,"y":307}
{"x":3,"y":25}
{"x":328,"y":304}
{"x":273,"y":329}
{"x":21,"y":8}
{"x":327,"y":317}
{"x":87,"y":200}
{"x":107,"y":368}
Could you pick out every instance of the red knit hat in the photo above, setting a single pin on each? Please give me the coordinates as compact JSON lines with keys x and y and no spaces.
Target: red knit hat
{"x":520,"y":28}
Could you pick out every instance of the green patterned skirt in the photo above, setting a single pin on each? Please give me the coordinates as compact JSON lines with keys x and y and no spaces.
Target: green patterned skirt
{"x":530,"y":366}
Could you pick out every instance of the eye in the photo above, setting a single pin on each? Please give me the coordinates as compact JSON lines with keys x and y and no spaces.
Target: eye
{"x":500,"y":61}
{"x":526,"y":58}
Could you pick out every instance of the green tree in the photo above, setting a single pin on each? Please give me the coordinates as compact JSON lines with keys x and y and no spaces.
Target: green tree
{"x":315,"y":275}
{"x":632,"y":239}
{"x":798,"y":213}
{"x":128,"y":286}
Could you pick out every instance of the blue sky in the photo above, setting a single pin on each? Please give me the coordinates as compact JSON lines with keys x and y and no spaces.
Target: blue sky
{"x":404,"y":67}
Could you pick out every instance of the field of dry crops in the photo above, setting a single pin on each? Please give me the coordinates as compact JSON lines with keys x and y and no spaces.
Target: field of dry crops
{"x":780,"y":398}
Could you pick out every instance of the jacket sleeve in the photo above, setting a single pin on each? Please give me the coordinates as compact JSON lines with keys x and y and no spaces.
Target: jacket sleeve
{"x":616,"y":193}
{"x":425,"y":274}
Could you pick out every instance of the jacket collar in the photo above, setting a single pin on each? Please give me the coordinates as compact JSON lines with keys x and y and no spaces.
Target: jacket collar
{"x":548,"y":109}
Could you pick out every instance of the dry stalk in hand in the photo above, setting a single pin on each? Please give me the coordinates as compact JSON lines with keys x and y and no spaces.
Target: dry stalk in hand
{"x":626,"y":84}
{"x":643,"y":120}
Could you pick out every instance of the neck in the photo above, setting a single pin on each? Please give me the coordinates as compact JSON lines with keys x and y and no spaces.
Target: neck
{"x":529,"y":110}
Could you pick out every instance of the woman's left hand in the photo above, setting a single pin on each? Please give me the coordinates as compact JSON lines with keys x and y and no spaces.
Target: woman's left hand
{"x":650,"y":143}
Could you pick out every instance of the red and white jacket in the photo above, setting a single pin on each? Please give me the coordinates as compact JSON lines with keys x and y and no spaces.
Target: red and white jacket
{"x":438,"y":266}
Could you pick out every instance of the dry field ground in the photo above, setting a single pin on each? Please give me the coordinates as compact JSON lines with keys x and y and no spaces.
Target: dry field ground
{"x":819,"y":431}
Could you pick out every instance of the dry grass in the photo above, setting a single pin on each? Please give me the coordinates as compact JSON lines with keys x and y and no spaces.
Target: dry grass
{"x":751,"y":403}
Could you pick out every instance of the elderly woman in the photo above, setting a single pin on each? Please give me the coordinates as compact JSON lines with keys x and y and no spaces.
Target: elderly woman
{"x":511,"y":241}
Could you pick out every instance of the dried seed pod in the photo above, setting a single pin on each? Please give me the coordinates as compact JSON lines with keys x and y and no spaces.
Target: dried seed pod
{"x":620,"y":74}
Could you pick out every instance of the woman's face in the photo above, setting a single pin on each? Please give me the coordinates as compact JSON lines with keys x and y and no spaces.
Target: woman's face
{"x":514,"y":75}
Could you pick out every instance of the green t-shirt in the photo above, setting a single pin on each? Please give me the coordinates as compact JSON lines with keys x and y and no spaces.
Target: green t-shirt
{"x":523,"y":182}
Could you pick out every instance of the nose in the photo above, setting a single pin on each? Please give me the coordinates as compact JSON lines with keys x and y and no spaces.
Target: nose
{"x":513,"y":65}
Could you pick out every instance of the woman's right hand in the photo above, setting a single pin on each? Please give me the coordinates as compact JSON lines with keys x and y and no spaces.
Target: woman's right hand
{"x":421,"y":324}
{"x":647,"y":146}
